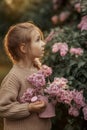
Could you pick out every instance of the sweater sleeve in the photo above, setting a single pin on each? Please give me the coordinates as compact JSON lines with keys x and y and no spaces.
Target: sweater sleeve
{"x":9,"y":106}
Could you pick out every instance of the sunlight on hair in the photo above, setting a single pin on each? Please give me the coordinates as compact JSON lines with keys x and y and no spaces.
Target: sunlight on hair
{"x":9,"y":2}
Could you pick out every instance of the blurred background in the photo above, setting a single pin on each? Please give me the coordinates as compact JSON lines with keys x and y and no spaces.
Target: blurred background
{"x":60,"y":21}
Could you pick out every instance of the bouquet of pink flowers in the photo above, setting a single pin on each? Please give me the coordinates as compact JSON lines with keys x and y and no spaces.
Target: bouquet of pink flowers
{"x":38,"y":80}
{"x":57,"y":92}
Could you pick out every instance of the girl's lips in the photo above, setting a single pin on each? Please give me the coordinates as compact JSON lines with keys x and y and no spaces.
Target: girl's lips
{"x":42,"y":50}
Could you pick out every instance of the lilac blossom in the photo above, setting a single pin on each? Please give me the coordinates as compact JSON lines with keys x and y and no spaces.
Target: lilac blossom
{"x":83,"y":24}
{"x":47,"y":71}
{"x":78,"y":98}
{"x":85,"y":112}
{"x":37,"y":80}
{"x":76,"y":51}
{"x":61,"y":95}
{"x":27,"y":95}
{"x":77,"y":7}
{"x":55,"y":48}
{"x":61,"y":47}
{"x":51,"y":90}
{"x":57,"y":85}
{"x":73,"y":111}
{"x":61,"y":82}
{"x":65,"y":97}
{"x":50,"y":36}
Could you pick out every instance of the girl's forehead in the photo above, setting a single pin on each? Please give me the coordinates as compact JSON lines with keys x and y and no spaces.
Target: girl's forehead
{"x":35,"y":33}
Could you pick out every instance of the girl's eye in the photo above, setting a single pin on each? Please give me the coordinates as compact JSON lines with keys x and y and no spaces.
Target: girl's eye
{"x":38,"y":40}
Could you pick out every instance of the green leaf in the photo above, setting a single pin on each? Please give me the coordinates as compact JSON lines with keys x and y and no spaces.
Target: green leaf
{"x":68,"y":127}
{"x":81,"y":64}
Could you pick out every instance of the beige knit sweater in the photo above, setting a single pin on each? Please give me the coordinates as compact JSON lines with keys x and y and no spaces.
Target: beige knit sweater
{"x":16,"y":115}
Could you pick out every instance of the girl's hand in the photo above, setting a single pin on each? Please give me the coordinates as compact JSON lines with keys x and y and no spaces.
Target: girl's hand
{"x":37,"y":106}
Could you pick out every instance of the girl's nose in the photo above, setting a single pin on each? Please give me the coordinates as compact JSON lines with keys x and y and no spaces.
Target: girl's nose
{"x":43,"y":43}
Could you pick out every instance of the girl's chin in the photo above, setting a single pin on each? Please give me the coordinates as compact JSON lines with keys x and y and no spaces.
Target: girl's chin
{"x":39,"y":56}
{"x":42,"y":52}
{"x":42,"y":55}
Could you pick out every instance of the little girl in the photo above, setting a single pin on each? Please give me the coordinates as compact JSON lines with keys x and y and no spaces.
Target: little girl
{"x":24,"y":44}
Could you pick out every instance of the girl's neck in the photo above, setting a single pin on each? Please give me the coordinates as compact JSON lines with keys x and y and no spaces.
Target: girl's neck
{"x":30,"y":64}
{"x":24,"y":64}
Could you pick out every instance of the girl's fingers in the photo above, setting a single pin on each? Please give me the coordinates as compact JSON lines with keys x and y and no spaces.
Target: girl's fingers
{"x":41,"y":105}
{"x":39,"y":102}
{"x":37,"y":106}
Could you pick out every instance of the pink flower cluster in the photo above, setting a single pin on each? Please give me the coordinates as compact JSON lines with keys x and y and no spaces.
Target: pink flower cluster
{"x":61,"y":82}
{"x":77,"y":7}
{"x":59,"y":91}
{"x":27,"y":96}
{"x":85,"y":112}
{"x":78,"y":98}
{"x":83,"y":24}
{"x":78,"y":103}
{"x":46,"y":71}
{"x":73,"y":111}
{"x":76,"y":51}
{"x":62,"y":48}
{"x":38,"y":81}
{"x":50,"y":36}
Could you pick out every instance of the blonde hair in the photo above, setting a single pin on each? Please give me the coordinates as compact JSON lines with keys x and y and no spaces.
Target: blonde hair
{"x":17,"y":34}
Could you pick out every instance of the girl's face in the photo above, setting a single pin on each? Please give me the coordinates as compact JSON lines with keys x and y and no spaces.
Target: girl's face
{"x":37,"y":45}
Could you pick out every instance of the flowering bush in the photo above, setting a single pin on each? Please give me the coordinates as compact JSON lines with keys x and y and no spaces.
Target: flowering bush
{"x":69,"y":62}
{"x":64,"y":10}
{"x":73,"y":66}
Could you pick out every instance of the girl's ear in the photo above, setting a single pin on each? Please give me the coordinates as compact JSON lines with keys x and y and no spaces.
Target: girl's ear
{"x":23,"y":48}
